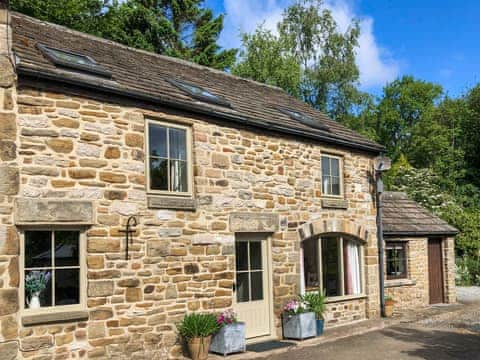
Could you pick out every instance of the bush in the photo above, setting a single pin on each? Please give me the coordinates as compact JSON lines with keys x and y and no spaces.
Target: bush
{"x":468,"y":271}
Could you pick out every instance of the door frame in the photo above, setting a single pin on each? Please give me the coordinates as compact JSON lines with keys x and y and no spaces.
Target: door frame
{"x":267,"y":238}
{"x":440,"y":240}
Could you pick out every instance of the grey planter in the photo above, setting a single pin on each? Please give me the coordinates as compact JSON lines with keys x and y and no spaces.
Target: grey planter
{"x":300,"y":326}
{"x":229,"y":339}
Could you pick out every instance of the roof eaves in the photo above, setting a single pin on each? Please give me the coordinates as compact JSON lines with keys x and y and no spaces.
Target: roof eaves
{"x":114,"y":88}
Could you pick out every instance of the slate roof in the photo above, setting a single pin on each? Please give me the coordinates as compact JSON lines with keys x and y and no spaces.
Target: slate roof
{"x":403,"y":216}
{"x":144,"y":76}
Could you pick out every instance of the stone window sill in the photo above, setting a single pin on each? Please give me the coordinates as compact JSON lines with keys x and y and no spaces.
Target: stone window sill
{"x":54,"y":317}
{"x":334,"y":202}
{"x":171,"y":202}
{"x":344,"y":298}
{"x":400,"y":282}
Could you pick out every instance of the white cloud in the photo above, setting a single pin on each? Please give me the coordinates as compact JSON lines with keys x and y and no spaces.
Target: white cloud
{"x":376,"y":65}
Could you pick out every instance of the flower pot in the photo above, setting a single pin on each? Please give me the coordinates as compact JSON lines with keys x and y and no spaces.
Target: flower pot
{"x":320,"y":324}
{"x":229,"y":339}
{"x":389,"y":308}
{"x":198,"y":347}
{"x":34,"y":302}
{"x":299,"y":326}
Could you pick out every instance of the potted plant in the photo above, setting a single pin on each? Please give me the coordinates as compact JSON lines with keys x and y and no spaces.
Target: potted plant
{"x":35,"y":283}
{"x":316,"y":302}
{"x":389,"y":302}
{"x":197,"y":330}
{"x":298,"y":322}
{"x":230,"y":338}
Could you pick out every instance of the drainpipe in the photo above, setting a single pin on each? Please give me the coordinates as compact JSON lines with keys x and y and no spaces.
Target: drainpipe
{"x":381,"y":253}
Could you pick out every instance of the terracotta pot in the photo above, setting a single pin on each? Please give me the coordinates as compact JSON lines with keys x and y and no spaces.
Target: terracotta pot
{"x":198,"y":347}
{"x":389,"y":308}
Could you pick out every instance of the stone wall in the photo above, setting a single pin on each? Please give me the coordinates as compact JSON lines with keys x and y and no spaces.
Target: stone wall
{"x":74,"y":148}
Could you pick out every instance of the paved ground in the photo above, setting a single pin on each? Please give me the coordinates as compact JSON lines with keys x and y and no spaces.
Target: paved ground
{"x":468,"y":295}
{"x":452,"y":333}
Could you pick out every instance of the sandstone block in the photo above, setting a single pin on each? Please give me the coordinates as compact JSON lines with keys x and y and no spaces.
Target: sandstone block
{"x":157,"y":248}
{"x":13,"y":272}
{"x":9,"y":327}
{"x":101,"y":314}
{"x":9,"y":241}
{"x":82,"y":173}
{"x":41,"y":211}
{"x":8,"y":150}
{"x":132,"y":282}
{"x":8,"y":301}
{"x":60,"y":183}
{"x":93,"y":163}
{"x":39,"y":132}
{"x":100,"y":245}
{"x":8,"y":126}
{"x":133,"y":294}
{"x":8,"y":350}
{"x":113,"y":178}
{"x":134,"y":140}
{"x":112,"y":152}
{"x":7,"y":73}
{"x":100,"y":288}
{"x":9,"y":180}
{"x":220,"y":161}
{"x":66,"y":122}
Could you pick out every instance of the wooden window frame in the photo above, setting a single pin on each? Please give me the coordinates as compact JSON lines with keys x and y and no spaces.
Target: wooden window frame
{"x":340,"y":175}
{"x":189,"y":160}
{"x":404,"y":246}
{"x":341,"y":269}
{"x":82,"y":305}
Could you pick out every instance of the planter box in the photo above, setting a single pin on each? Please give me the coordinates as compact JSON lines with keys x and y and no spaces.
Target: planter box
{"x":299,"y":326}
{"x":229,"y":339}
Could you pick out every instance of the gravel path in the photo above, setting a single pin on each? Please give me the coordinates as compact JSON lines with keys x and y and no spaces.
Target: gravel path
{"x":468,"y":295}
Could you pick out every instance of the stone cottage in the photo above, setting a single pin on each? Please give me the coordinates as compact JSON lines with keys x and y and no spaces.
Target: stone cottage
{"x":235,"y":195}
{"x":419,"y":254}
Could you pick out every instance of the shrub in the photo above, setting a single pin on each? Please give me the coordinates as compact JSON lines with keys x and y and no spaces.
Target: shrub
{"x":197,"y":325}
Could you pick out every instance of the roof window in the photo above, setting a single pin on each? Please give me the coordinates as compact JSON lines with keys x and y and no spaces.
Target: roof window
{"x":304,"y":119}
{"x":199,"y":93}
{"x":72,"y":60}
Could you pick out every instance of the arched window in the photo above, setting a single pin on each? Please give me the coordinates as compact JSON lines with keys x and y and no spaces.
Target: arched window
{"x":333,"y":264}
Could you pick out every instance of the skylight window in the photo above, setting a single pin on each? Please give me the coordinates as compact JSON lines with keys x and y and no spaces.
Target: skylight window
{"x":72,"y":60}
{"x":304,"y":119}
{"x":199,"y":93}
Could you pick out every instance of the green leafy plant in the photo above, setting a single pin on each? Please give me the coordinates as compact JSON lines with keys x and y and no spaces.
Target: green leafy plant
{"x":315,"y":302}
{"x":36,"y":281}
{"x":198,"y":325}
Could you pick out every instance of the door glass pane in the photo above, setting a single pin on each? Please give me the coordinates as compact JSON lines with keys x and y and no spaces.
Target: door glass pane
{"x":255,"y":255}
{"x":257,"y":285}
{"x":36,"y":286}
{"x":178,"y":176}
{"x":38,"y":249}
{"x":242,"y":287}
{"x":325,"y":165}
{"x":330,"y":266}
{"x":241,"y":255}
{"x":178,"y":143}
{"x":67,"y":283}
{"x":158,"y":174}
{"x":310,"y":264}
{"x":66,"y":248}
{"x":158,"y":140}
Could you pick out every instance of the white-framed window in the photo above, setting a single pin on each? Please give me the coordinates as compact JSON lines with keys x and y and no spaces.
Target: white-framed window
{"x":396,"y":260}
{"x":52,"y":270}
{"x":333,"y":264}
{"x":332,"y":175}
{"x":169,"y":158}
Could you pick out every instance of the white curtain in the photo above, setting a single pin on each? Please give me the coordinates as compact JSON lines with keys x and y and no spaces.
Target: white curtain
{"x":353,"y":268}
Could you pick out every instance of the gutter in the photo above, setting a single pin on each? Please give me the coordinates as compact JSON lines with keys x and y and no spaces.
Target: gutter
{"x":420,"y":233}
{"x":198,"y":109}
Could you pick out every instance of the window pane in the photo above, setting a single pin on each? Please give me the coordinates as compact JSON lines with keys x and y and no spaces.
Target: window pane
{"x":326,"y":185}
{"x":257,"y":285}
{"x":335,"y":185}
{"x":310,"y":263}
{"x":178,"y":176}
{"x":38,"y":249}
{"x":67,"y":286}
{"x":330,"y":266}
{"x":255,"y":255}
{"x":66,"y":248}
{"x":325,"y":165}
{"x":335,"y":164}
{"x":241,"y":255}
{"x":178,"y":143}
{"x":396,"y":263}
{"x":242,"y":287}
{"x":38,"y":283}
{"x":158,"y":174}
{"x":158,"y":140}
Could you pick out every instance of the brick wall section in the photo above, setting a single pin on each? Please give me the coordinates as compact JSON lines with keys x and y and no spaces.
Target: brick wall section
{"x":77,"y":148}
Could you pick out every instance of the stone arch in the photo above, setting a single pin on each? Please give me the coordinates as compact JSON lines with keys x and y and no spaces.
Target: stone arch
{"x":325,"y":226}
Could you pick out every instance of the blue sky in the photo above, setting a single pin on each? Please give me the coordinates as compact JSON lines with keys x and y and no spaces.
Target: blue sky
{"x":431,"y":40}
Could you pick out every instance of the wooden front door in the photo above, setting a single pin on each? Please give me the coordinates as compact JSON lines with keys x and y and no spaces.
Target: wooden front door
{"x":435,"y":270}
{"x":252,"y":284}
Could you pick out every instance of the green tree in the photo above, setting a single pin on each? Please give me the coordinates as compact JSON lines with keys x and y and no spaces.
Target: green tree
{"x":179,"y":28}
{"x":471,"y":136}
{"x":265,"y":58}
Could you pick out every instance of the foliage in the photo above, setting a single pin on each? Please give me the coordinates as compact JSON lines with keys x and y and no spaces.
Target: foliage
{"x":227,"y":317}
{"x":265,"y":57}
{"x":315,"y":302}
{"x":197,"y":325}
{"x":36,"y":281}
{"x":295,"y":307}
{"x":179,"y":28}
{"x":468,"y":271}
